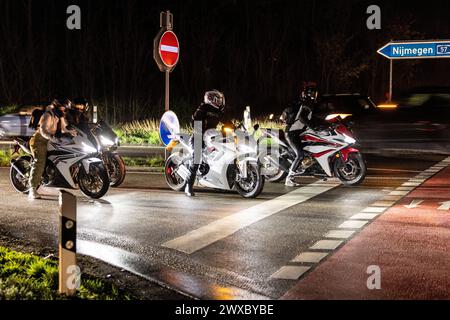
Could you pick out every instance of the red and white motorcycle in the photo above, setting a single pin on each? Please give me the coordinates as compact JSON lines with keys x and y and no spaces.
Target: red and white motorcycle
{"x":328,"y":153}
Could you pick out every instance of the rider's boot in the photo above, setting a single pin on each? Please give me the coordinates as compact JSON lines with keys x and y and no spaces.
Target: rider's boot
{"x":189,"y":190}
{"x":290,"y":180}
{"x":33,"y":194}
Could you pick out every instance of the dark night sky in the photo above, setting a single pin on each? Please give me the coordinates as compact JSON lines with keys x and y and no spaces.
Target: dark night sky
{"x":257,"y":52}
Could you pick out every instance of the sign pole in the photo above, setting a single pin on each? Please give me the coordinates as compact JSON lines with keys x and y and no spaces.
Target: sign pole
{"x":390,"y":79}
{"x":68,"y":270}
{"x":167,"y":91}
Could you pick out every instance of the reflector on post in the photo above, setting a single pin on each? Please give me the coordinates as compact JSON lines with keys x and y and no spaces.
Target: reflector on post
{"x":69,"y":273}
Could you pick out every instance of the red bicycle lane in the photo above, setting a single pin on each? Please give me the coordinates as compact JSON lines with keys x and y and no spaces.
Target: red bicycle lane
{"x":410,"y":243}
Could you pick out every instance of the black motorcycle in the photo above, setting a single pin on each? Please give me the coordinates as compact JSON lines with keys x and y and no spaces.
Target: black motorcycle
{"x":107,"y":144}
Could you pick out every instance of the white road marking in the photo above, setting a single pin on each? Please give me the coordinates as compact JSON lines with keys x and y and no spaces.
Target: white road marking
{"x":290,"y":272}
{"x":339,"y":234}
{"x":399,"y":193}
{"x":412,"y":184}
{"x":405,"y":188}
{"x":310,"y":257}
{"x":326,"y":245}
{"x":220,"y":229}
{"x":364,"y":216}
{"x":414,"y":204}
{"x":444,"y":205}
{"x":391,"y":197}
{"x":384,"y":203}
{"x":353,"y":224}
{"x":374,"y":209}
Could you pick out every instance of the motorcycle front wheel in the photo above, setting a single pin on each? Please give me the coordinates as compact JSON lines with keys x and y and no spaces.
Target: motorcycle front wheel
{"x":353,"y":171}
{"x":251,"y":186}
{"x":19,"y":174}
{"x":174,"y":181}
{"x":95,"y":183}
{"x":116,"y":169}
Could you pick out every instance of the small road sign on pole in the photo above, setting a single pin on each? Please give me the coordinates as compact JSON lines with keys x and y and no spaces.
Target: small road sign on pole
{"x":426,"y":49}
{"x":416,"y":50}
{"x":166,"y":50}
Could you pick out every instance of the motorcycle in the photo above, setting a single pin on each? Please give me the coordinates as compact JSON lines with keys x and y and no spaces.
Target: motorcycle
{"x":72,"y":163}
{"x":107,"y":144}
{"x":328,"y":152}
{"x":229,"y":162}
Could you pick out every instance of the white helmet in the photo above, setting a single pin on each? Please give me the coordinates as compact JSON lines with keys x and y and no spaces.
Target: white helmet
{"x":215,"y":98}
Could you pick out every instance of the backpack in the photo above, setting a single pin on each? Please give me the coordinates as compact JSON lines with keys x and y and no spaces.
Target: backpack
{"x":36,"y":116}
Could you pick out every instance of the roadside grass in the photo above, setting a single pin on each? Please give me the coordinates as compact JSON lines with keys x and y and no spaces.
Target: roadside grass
{"x":144,"y":162}
{"x":146,"y":132}
{"x":26,"y":276}
{"x":6,"y":156}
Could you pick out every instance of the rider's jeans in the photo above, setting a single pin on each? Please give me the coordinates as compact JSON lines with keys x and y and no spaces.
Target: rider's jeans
{"x":295,"y":141}
{"x":38,"y":146}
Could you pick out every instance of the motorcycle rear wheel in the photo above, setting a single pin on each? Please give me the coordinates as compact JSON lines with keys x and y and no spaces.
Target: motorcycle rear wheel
{"x":273,"y":173}
{"x":117,"y":170}
{"x":173,"y":180}
{"x":21,"y":184}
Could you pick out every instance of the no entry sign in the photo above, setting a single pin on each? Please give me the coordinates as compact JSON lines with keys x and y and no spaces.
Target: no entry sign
{"x":169,"y":49}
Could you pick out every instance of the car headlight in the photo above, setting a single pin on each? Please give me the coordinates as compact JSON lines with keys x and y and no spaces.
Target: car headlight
{"x":106,"y":142}
{"x":348,"y":139}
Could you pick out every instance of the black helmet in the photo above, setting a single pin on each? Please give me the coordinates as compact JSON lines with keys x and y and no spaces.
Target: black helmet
{"x":215,"y":98}
{"x":80,"y":102}
{"x":309,"y":93}
{"x":62,"y":102}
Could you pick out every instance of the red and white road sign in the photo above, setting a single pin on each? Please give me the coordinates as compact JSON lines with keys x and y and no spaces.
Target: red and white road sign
{"x":169,"y":49}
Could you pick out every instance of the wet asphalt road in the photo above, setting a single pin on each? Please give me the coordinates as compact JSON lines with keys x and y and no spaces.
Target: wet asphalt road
{"x":132,"y":225}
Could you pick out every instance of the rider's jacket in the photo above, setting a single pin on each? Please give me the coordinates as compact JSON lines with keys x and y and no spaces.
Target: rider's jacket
{"x":50,"y":123}
{"x":208,"y":115}
{"x":297,"y":116}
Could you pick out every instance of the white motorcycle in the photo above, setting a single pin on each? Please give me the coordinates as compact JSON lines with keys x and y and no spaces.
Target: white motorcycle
{"x":229,"y":162}
{"x":72,"y":163}
{"x":328,"y":153}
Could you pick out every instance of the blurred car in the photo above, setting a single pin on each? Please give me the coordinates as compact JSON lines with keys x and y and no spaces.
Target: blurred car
{"x":345,"y":105}
{"x":418,"y":119}
{"x":14,"y":122}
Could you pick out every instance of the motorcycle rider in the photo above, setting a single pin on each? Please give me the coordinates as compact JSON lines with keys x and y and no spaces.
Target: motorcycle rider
{"x":51,"y":125}
{"x":298,"y":118}
{"x":77,"y":115}
{"x":209,"y":113}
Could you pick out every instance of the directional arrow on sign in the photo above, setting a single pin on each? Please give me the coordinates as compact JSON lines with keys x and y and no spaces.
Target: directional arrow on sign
{"x":445,"y":205}
{"x":414,"y":204}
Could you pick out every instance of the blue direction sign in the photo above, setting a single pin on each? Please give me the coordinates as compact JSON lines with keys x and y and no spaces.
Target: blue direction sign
{"x":416,"y":50}
{"x":169,"y":127}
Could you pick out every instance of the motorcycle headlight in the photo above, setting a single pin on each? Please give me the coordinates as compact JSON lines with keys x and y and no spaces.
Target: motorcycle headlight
{"x":88,"y":149}
{"x":106,"y":142}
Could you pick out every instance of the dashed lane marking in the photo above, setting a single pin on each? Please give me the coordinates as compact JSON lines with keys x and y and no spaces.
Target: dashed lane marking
{"x":310,"y":257}
{"x":364,"y":216}
{"x":355,"y":224}
{"x":290,"y":272}
{"x":326,"y":245}
{"x":220,"y":229}
{"x":339,"y":234}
